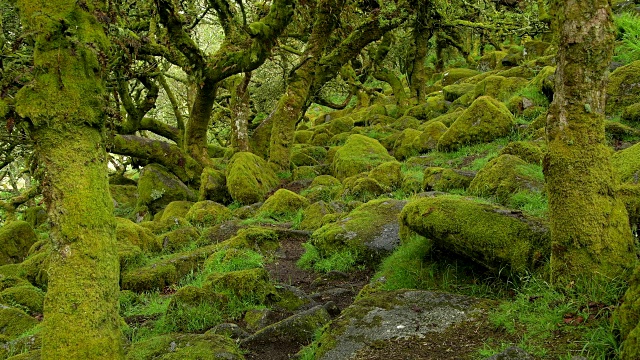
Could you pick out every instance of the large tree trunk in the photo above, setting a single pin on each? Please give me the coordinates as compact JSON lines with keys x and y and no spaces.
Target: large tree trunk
{"x":290,"y":106}
{"x":64,"y":104}
{"x":589,"y":226}
{"x":240,"y":112}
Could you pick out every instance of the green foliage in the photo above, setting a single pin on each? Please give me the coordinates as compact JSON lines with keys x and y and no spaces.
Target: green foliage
{"x":628,"y":45}
{"x":343,"y":260}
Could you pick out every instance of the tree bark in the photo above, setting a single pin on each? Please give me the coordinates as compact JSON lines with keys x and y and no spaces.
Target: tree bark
{"x":64,"y":104}
{"x":589,"y":225}
{"x":240,"y":112}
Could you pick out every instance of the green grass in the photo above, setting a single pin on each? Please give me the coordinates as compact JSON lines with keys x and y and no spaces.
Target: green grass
{"x":557,"y":322}
{"x":628,"y":38}
{"x":313,"y":260}
{"x":532,"y":203}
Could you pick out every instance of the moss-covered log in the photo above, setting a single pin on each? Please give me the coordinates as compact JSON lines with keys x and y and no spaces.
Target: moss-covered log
{"x":65,"y":103}
{"x":589,"y":225}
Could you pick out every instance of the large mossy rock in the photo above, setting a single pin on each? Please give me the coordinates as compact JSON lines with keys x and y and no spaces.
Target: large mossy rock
{"x":359,"y":154}
{"x":452,"y":76}
{"x":213,"y":186}
{"x":249,"y":285}
{"x":484,"y":121}
{"x":130,"y":233}
{"x":433,"y":107}
{"x":16,"y":238}
{"x":383,"y":317}
{"x":623,"y":88}
{"x":208,"y":213}
{"x":627,"y":165}
{"x":185,"y":347}
{"x":499,"y":87}
{"x":157,"y":187}
{"x":26,"y":296}
{"x":627,"y":317}
{"x":249,"y":178}
{"x":504,"y":176}
{"x":371,"y":231}
{"x":283,"y":203}
{"x":14,"y":322}
{"x":491,"y":236}
{"x":443,"y":179}
{"x":404,"y":145}
{"x":323,"y":187}
{"x":313,"y":215}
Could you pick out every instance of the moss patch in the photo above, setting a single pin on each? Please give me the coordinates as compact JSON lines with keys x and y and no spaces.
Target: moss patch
{"x":359,"y":154}
{"x":249,"y":178}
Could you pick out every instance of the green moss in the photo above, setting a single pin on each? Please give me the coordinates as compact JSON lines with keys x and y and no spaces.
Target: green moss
{"x":452,"y":76}
{"x":208,"y":213}
{"x":431,"y":134}
{"x":312,"y":217}
{"x":193,"y":309}
{"x":185,"y":347}
{"x":622,"y":88}
{"x":249,"y":178}
{"x":27,"y":297}
{"x":453,"y":92}
{"x":405,"y":122}
{"x":176,"y":210}
{"x":213,"y":186}
{"x":16,"y":238}
{"x":229,"y":260}
{"x":359,"y":154}
{"x":340,"y":125}
{"x":157,"y":187}
{"x":130,"y":233}
{"x":442,"y":179}
{"x":625,"y":164}
{"x":403,"y":147}
{"x":302,"y":136}
{"x":250,"y":284}
{"x":359,"y":230}
{"x":306,"y":172}
{"x":362,"y":188}
{"x":491,"y":236}
{"x":14,"y":322}
{"x":491,"y":60}
{"x":499,"y":87}
{"x":627,"y":317}
{"x":485,"y":120}
{"x":631,"y":113}
{"x":283,"y":203}
{"x":530,"y":151}
{"x":388,"y":174}
{"x":505,"y":176}
{"x":433,"y":107}
{"x":522,"y":71}
{"x":179,"y":238}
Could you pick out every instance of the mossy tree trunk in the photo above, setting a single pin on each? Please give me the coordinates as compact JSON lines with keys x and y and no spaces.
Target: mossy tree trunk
{"x":426,"y":18}
{"x":589,"y":225}
{"x":240,"y":112}
{"x":383,"y":73}
{"x":64,"y":104}
{"x":289,"y":108}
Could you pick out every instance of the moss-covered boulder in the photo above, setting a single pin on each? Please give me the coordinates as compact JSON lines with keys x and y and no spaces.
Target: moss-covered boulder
{"x":535,"y":48}
{"x":626,"y":165}
{"x":499,"y":87}
{"x":16,"y":238}
{"x":485,"y":120}
{"x":208,"y":213}
{"x":405,"y":122}
{"x":306,"y":172}
{"x":157,"y":187}
{"x":452,"y":76}
{"x":490,"y":235}
{"x":362,"y":188}
{"x":403,"y":148}
{"x":433,"y":107}
{"x":631,"y":113}
{"x":388,"y":174}
{"x":627,"y":317}
{"x":623,"y":88}
{"x":26,"y":296}
{"x":428,"y":139}
{"x":250,"y":284}
{"x":323,"y":187}
{"x":213,"y":186}
{"x":283,"y":203}
{"x":447,"y":119}
{"x":453,"y":92}
{"x":359,"y":154}
{"x":176,"y":211}
{"x":491,"y":60}
{"x":249,"y":178}
{"x":380,"y":319}
{"x":125,"y":199}
{"x":185,"y":347}
{"x":130,"y":233}
{"x":529,"y":151}
{"x":312,"y":217}
{"x":14,"y":322}
{"x":506,"y":175}
{"x":190,"y":303}
{"x":302,"y":136}
{"x":443,"y":179}
{"x":370,"y":231}
{"x":179,"y":238}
